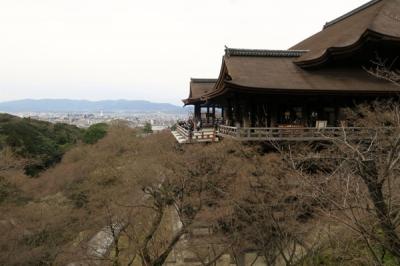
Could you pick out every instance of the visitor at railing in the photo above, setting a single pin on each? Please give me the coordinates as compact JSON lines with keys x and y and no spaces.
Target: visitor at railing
{"x":198,"y":125}
{"x":188,"y":125}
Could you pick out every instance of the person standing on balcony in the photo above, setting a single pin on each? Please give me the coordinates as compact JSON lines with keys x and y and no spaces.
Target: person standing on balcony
{"x":190,"y":128}
{"x":198,"y":125}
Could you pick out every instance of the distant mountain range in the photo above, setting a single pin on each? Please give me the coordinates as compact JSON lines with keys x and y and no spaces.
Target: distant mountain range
{"x":65,"y":105}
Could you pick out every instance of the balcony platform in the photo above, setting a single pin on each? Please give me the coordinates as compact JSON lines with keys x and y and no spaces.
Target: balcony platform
{"x":270,"y":134}
{"x":184,"y":136}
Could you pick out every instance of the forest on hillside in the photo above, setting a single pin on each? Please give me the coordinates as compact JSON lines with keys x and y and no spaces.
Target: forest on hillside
{"x":42,"y":144}
{"x":327,"y":203}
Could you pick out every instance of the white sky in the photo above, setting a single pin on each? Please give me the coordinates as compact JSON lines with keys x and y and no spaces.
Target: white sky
{"x":136,"y":49}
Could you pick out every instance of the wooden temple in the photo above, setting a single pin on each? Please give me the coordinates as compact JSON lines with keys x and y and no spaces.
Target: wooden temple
{"x":294,"y":94}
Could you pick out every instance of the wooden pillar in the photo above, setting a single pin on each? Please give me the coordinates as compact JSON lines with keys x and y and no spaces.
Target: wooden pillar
{"x":208,"y":115}
{"x":246,"y":121}
{"x":341,"y":117}
{"x":237,"y":114}
{"x":259,"y":121}
{"x":307,"y":115}
{"x":269,"y":111}
{"x":213,"y":114}
{"x":197,"y":112}
{"x":228,"y":113}
{"x":273,"y":115}
{"x":265,"y":113}
{"x":253,"y":114}
{"x":337,"y":118}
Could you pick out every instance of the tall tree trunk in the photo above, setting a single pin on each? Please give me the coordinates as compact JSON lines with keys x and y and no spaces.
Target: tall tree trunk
{"x":145,"y":255}
{"x":370,"y":176}
{"x":163,"y":257}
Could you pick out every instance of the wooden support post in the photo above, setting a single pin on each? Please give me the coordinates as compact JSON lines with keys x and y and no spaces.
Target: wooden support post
{"x":228,"y":113}
{"x":213,"y":115}
{"x":237,"y":114}
{"x":307,"y":115}
{"x":337,"y":120}
{"x":197,"y":113}
{"x":273,"y":115}
{"x":253,"y":114}
{"x":208,"y":115}
{"x":246,"y":118}
{"x":269,"y":115}
{"x":245,"y":108}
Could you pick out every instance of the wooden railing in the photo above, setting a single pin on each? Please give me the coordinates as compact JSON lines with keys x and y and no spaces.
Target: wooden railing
{"x":183,"y":131}
{"x":294,"y":133}
{"x":204,"y":135}
{"x":228,"y":131}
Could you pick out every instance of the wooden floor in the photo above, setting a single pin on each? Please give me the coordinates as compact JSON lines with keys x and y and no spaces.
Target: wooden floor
{"x":184,"y":136}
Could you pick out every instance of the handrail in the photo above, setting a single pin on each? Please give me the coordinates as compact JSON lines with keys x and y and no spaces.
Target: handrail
{"x":292,"y":133}
{"x":228,"y":127}
{"x":276,"y":133}
{"x":183,"y":131}
{"x":197,"y":136}
{"x":294,"y":128}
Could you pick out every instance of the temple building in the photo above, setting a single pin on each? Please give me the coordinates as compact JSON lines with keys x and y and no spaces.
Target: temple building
{"x":207,"y":113}
{"x":291,"y":94}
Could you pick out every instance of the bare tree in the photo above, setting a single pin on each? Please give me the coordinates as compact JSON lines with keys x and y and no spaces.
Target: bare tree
{"x":385,"y":69}
{"x":354,"y":177}
{"x":269,"y":215}
{"x":186,"y":190}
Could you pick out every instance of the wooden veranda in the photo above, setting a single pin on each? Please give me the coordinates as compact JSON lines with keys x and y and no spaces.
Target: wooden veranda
{"x":294,"y":133}
{"x":270,"y":134}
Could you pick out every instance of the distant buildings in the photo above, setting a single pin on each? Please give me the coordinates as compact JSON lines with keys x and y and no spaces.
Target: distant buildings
{"x":158,"y":120}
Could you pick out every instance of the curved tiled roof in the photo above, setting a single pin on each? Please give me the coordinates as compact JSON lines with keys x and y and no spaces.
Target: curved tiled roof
{"x":260,"y":75}
{"x":285,"y":71}
{"x":199,"y":88}
{"x":351,"y":13}
{"x":377,"y":19}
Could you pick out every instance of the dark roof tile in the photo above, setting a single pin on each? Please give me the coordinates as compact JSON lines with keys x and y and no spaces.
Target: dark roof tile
{"x":263,"y":53}
{"x":372,"y":20}
{"x":351,"y":13}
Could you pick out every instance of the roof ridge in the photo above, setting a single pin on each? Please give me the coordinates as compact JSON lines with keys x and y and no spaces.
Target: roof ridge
{"x":263,"y":52}
{"x":203,"y":80}
{"x":352,"y":12}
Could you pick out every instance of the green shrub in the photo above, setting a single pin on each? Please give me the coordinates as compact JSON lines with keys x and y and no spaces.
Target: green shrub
{"x":94,"y":133}
{"x":147,"y":129}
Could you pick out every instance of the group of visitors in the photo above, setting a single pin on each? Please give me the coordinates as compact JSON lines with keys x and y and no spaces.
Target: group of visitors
{"x":191,"y":125}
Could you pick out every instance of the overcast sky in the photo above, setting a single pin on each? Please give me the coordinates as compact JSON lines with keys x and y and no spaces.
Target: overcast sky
{"x":136,"y":49}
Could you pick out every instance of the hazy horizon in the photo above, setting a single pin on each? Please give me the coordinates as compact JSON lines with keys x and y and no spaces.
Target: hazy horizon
{"x":140,"y":50}
{"x":88,"y":100}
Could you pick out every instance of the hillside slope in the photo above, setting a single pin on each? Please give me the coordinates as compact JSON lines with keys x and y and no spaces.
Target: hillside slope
{"x":48,"y":220}
{"x":40,"y":143}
